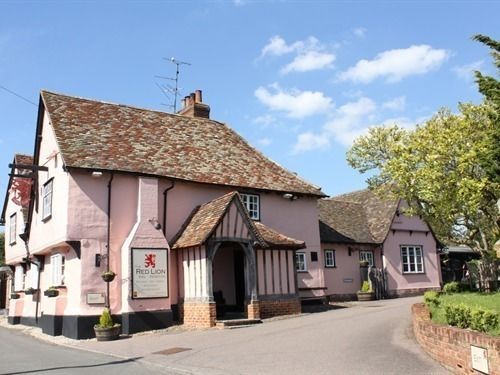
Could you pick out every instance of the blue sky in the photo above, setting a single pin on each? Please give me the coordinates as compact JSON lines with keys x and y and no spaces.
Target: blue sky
{"x":299,"y":80}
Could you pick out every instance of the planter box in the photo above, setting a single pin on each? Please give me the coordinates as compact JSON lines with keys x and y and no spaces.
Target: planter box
{"x":30,"y":291}
{"x":51,"y":293}
{"x":107,"y":334}
{"x":365,"y":296}
{"x":14,"y":296}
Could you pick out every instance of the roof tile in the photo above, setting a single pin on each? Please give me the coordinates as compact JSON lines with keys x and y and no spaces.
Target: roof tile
{"x":98,"y":135}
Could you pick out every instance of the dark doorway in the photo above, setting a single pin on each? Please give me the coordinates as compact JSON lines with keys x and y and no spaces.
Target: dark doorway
{"x":239,"y":280}
{"x":228,"y":279}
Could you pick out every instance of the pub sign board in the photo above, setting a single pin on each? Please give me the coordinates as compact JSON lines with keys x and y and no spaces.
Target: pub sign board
{"x":149,"y":273}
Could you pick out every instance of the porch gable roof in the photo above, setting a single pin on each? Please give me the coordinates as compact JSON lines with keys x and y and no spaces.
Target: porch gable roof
{"x":208,"y":219}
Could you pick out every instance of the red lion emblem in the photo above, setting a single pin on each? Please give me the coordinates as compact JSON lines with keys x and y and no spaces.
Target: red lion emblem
{"x":150,"y":261}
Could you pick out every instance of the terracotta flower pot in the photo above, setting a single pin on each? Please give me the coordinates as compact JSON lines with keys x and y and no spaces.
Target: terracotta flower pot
{"x":107,"y":334}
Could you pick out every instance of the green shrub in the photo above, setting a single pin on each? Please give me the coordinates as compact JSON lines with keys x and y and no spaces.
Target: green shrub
{"x":478,"y":319}
{"x":484,"y":320}
{"x":366,"y":287}
{"x":431,"y":298}
{"x":105,"y":320}
{"x":453,"y":287}
{"x":458,"y":315}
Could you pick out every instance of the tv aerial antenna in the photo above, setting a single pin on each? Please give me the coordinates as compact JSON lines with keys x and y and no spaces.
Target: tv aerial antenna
{"x":172,"y":90}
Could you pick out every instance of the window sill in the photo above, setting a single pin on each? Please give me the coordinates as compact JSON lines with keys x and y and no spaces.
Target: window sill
{"x":330,"y":266}
{"x":12,"y":243}
{"x":413,"y":273}
{"x":47,"y":218}
{"x":305,"y":271}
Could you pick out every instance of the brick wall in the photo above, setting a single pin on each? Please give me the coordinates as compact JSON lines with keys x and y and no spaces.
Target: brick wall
{"x":199,"y":314}
{"x":253,"y":310}
{"x":395,"y":293}
{"x":450,"y":345}
{"x":271,"y":308}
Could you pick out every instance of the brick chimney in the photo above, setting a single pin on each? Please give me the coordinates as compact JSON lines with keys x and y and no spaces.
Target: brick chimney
{"x":193,"y":106}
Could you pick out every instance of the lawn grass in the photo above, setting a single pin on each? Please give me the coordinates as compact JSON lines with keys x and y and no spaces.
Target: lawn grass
{"x":487,"y":301}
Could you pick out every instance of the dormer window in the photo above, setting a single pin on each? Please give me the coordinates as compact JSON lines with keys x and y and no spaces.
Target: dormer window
{"x":252,"y":204}
{"x":47,"y":199}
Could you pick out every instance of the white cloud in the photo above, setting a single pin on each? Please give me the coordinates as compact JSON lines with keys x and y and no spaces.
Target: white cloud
{"x":396,"y":104}
{"x":397,"y":64}
{"x":360,"y":32}
{"x":310,"y":54}
{"x":311,"y":60}
{"x":296,"y":103}
{"x":277,"y":46}
{"x":310,"y":141}
{"x":351,"y":120}
{"x":265,"y":141}
{"x":264,"y":120}
{"x":466,"y":72}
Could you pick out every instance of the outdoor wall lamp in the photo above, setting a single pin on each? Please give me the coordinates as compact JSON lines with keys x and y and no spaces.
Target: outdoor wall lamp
{"x":96,"y":174}
{"x":155,"y":223}
{"x":290,"y":196}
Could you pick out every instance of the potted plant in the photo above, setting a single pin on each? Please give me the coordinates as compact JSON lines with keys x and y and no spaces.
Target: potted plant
{"x":14,"y":296}
{"x":30,"y":291}
{"x":106,"y":330}
{"x":366,"y":293}
{"x":108,"y":276}
{"x":363,"y":263}
{"x":51,"y":292}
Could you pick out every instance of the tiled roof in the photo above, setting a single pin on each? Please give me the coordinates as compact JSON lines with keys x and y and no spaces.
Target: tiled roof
{"x":360,"y":216}
{"x":276,"y":240}
{"x":98,"y":135}
{"x":23,"y":159}
{"x":204,"y":220}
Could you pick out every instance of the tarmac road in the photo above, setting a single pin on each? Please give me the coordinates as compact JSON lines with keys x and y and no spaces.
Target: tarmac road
{"x":366,"y":338}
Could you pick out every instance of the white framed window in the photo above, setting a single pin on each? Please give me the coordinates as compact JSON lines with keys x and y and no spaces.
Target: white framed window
{"x":13,"y":229}
{"x":301,"y":262}
{"x":412,"y":259}
{"x":252,"y":204}
{"x":365,"y":255}
{"x":19,"y":278}
{"x":47,"y":199}
{"x":34,"y":274}
{"x":57,"y":270}
{"x":330,"y":258}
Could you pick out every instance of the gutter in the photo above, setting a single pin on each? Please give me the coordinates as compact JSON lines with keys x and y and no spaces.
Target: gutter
{"x":108,"y":234}
{"x":165,"y":193}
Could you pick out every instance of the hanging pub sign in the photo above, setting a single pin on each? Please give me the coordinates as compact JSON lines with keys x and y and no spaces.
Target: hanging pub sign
{"x":149,"y":273}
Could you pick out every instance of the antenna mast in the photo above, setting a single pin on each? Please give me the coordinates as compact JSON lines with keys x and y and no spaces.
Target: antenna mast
{"x":173,"y":90}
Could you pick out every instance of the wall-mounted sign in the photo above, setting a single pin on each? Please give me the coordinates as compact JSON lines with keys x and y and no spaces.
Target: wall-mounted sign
{"x":96,"y":298}
{"x":348,"y":281}
{"x":479,"y":359}
{"x":149,"y":273}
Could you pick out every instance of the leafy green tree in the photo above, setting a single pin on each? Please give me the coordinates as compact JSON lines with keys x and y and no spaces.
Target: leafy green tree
{"x":437,"y":169}
{"x":490,"y":88}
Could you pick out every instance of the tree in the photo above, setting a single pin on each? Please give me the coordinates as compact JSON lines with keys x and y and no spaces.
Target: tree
{"x":490,"y":88}
{"x":437,"y":169}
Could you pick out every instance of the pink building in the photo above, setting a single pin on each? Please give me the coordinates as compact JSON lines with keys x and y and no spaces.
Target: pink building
{"x":193,"y":221}
{"x":360,"y":226}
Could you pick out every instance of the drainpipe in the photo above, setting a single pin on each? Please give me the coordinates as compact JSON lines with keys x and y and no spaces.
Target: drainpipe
{"x":108,"y":235}
{"x":165,"y":192}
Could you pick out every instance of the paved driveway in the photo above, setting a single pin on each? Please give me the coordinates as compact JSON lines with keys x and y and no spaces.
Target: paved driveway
{"x":367,"y":338}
